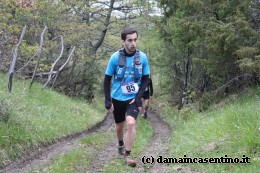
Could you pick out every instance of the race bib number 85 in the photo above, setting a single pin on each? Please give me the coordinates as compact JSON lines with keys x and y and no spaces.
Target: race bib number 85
{"x":130,"y":88}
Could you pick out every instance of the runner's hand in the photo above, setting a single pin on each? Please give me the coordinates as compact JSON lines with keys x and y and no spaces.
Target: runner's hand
{"x":139,"y":108}
{"x":132,"y":101}
{"x":111,"y":108}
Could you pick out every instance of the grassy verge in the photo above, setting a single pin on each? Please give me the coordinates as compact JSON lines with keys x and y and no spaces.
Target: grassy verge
{"x":30,"y":117}
{"x":229,"y":131}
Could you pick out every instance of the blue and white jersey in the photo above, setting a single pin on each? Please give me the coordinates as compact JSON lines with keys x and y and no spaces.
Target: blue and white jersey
{"x":118,"y":89}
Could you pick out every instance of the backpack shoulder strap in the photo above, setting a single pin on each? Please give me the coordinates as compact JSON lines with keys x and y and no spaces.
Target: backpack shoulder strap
{"x":122,"y":58}
{"x":137,"y":57}
{"x":120,"y":69}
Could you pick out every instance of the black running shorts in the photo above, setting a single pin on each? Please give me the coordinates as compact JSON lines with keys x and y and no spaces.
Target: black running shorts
{"x":146,"y":95}
{"x":123,"y":108}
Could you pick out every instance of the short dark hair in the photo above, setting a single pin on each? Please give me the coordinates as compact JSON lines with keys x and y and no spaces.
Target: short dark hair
{"x":128,"y":31}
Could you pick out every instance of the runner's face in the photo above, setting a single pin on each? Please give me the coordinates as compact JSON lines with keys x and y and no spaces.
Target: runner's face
{"x":130,"y":43}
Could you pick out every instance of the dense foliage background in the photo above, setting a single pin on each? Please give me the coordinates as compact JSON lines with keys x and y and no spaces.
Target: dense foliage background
{"x":196,"y":47}
{"x":214,"y":45}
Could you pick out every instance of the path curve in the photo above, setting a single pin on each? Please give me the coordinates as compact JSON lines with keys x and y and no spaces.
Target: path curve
{"x":158,"y":146}
{"x":42,"y":156}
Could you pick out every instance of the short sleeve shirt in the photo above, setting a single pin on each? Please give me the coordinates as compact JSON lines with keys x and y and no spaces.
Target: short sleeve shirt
{"x":116,"y":91}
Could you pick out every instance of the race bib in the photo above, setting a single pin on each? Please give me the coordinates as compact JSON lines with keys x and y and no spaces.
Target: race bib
{"x":129,"y":88}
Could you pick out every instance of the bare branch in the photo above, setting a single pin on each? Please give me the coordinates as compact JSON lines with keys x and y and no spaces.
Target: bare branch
{"x":69,"y":58}
{"x":61,"y":52}
{"x":103,"y":33}
{"x":26,"y":64}
{"x":39,"y":56}
{"x":11,"y":70}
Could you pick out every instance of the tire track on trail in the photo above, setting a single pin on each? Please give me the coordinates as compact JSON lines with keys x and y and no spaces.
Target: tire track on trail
{"x":43,"y":156}
{"x":158,"y":146}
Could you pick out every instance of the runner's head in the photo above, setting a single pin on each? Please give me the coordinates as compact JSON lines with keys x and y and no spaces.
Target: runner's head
{"x":129,"y":39}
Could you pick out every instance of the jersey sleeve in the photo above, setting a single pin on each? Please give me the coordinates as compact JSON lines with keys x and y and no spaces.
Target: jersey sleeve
{"x":111,"y":66}
{"x":146,"y":69}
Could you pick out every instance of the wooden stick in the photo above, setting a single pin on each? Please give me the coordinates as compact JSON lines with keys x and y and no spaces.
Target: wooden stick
{"x":11,"y":69}
{"x":39,"y":56}
{"x":68,"y":59}
{"x":51,"y":72}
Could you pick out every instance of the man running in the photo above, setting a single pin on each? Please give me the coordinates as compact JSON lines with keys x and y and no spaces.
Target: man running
{"x":130,"y":71}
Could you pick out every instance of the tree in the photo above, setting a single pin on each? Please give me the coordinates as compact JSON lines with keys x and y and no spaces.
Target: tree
{"x":91,"y":26}
{"x":213,"y":34}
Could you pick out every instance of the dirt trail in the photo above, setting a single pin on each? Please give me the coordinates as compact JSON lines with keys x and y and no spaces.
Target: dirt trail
{"x":157,"y":147}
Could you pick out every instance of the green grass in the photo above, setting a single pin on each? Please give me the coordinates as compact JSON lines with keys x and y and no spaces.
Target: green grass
{"x":72,"y":162}
{"x":231,"y":130}
{"x":36,"y":116}
{"x":80,"y":160}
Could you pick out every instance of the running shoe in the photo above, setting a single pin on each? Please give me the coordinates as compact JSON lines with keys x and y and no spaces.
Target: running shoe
{"x":145,"y":115}
{"x":121,"y":150}
{"x":130,"y":162}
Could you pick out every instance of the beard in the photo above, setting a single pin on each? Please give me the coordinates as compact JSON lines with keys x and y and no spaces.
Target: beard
{"x":132,"y":49}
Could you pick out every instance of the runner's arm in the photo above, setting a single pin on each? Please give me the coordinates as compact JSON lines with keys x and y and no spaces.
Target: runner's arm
{"x":151,"y":87}
{"x":107,"y":81}
{"x":144,"y":83}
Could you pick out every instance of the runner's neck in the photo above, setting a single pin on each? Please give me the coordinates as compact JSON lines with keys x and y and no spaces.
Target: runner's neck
{"x":127,"y":54}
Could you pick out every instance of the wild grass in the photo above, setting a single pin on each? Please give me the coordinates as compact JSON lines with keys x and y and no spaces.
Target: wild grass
{"x":39,"y":116}
{"x":96,"y":143}
{"x":232,"y":130}
{"x":80,"y":159}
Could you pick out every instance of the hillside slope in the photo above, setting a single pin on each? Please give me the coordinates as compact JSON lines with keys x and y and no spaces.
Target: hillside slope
{"x":31,"y":118}
{"x":228,"y":131}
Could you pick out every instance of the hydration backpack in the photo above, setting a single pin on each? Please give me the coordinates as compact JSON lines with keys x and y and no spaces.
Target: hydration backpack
{"x":120,"y":70}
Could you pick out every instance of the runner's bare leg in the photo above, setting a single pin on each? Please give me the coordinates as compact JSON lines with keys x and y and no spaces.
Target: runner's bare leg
{"x":130,"y":133}
{"x":120,"y":130}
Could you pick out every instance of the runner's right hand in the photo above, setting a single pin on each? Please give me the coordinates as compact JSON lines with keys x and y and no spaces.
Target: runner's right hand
{"x":111,"y":108}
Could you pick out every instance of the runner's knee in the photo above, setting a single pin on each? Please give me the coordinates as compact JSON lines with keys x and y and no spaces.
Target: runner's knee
{"x":130,"y":122}
{"x":120,"y":126}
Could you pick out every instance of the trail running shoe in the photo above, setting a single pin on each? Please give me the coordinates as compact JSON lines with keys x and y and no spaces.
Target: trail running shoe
{"x":145,"y":115}
{"x":121,"y":150}
{"x":130,"y":162}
